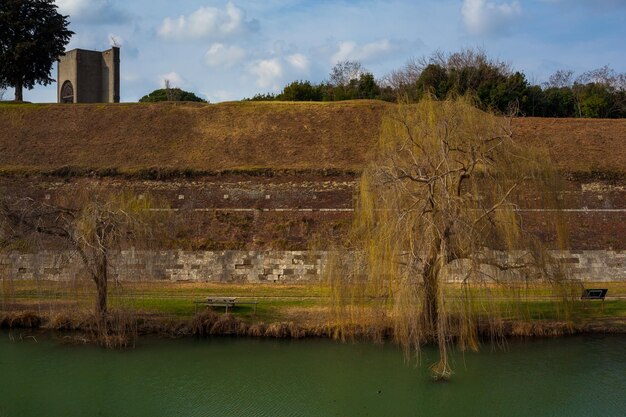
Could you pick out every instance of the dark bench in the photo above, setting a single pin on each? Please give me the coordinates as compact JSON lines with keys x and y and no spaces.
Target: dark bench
{"x":594,"y":294}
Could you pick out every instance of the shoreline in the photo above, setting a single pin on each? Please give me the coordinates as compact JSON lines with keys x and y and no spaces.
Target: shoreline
{"x":125,"y":329}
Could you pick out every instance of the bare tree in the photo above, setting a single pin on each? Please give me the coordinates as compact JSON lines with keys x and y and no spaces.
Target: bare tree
{"x":172,"y":93}
{"x":605,"y":76}
{"x":457,"y":63}
{"x":2,"y":93}
{"x":168,"y":90}
{"x":442,"y":196}
{"x":403,"y":80}
{"x":114,"y":41}
{"x":93,"y":224}
{"x":345,"y":71}
{"x":560,"y":79}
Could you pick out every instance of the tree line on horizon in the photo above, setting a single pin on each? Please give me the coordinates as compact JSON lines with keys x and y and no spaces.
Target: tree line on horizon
{"x":33,"y":34}
{"x":599,"y":93}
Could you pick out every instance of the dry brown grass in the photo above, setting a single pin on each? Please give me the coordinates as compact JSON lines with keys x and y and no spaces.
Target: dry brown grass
{"x":249,"y":136}
{"x":21,"y":319}
{"x":191,"y":136}
{"x":578,"y":145}
{"x":229,"y":325}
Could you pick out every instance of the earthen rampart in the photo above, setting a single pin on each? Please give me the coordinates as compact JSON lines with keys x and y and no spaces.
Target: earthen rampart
{"x":270,"y":180}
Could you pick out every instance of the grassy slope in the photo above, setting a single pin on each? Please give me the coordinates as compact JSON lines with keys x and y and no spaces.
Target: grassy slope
{"x":578,"y":145}
{"x":247,"y":135}
{"x":189,"y":136}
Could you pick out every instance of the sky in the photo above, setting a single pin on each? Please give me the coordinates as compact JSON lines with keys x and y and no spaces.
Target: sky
{"x":227,"y":50}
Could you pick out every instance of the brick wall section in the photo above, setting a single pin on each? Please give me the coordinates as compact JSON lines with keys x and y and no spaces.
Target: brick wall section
{"x":250,"y":266}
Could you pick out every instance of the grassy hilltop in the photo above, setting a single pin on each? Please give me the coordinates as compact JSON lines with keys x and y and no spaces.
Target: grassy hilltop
{"x":128,"y":138}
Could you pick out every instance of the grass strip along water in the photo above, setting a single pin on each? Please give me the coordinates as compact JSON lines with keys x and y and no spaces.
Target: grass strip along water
{"x":290,"y":310}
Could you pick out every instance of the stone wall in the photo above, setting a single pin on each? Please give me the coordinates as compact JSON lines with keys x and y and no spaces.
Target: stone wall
{"x":581,"y":265}
{"x":248,"y":266}
{"x":172,"y":265}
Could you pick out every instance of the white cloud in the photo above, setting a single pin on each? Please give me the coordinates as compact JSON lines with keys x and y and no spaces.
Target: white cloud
{"x":349,"y":50}
{"x":483,"y":17}
{"x":176,"y":81}
{"x":220,"y":95}
{"x":92,"y":11}
{"x":75,"y":7}
{"x":274,"y":72}
{"x":208,"y":22}
{"x":224,"y":56}
{"x":299,"y":62}
{"x":269,"y":73}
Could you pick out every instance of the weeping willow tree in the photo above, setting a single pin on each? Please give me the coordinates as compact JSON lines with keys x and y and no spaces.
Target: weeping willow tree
{"x":437,"y":241}
{"x":92,"y":223}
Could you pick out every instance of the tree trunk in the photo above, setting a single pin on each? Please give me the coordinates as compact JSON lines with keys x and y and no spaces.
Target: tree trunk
{"x":434,"y":313}
{"x":19,"y":88}
{"x":431,"y":305}
{"x":101,"y":279}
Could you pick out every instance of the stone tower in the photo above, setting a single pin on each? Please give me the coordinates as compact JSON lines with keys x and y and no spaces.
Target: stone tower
{"x":89,"y":76}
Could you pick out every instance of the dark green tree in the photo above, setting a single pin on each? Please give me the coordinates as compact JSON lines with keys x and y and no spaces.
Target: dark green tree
{"x":366,"y":87}
{"x":508,"y":93}
{"x":595,"y":100}
{"x":433,"y":80}
{"x":533,"y":102}
{"x":32,"y":36}
{"x":301,"y":91}
{"x":262,"y":97}
{"x":559,"y":102}
{"x":170,"y":94}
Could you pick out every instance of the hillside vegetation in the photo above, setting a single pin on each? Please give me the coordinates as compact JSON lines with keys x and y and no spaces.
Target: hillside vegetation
{"x":247,"y":136}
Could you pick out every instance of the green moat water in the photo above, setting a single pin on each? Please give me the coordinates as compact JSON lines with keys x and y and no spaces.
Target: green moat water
{"x":579,"y":376}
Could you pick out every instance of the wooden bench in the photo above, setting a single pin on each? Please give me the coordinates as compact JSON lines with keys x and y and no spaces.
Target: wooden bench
{"x":227,"y":302}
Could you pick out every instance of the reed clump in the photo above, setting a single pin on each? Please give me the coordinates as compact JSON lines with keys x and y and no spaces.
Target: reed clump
{"x":119,"y":329}
{"x":202,"y":323}
{"x":22,"y":319}
{"x":64,"y":321}
{"x":257,"y":330}
{"x":229,"y":325}
{"x":539,"y":328}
